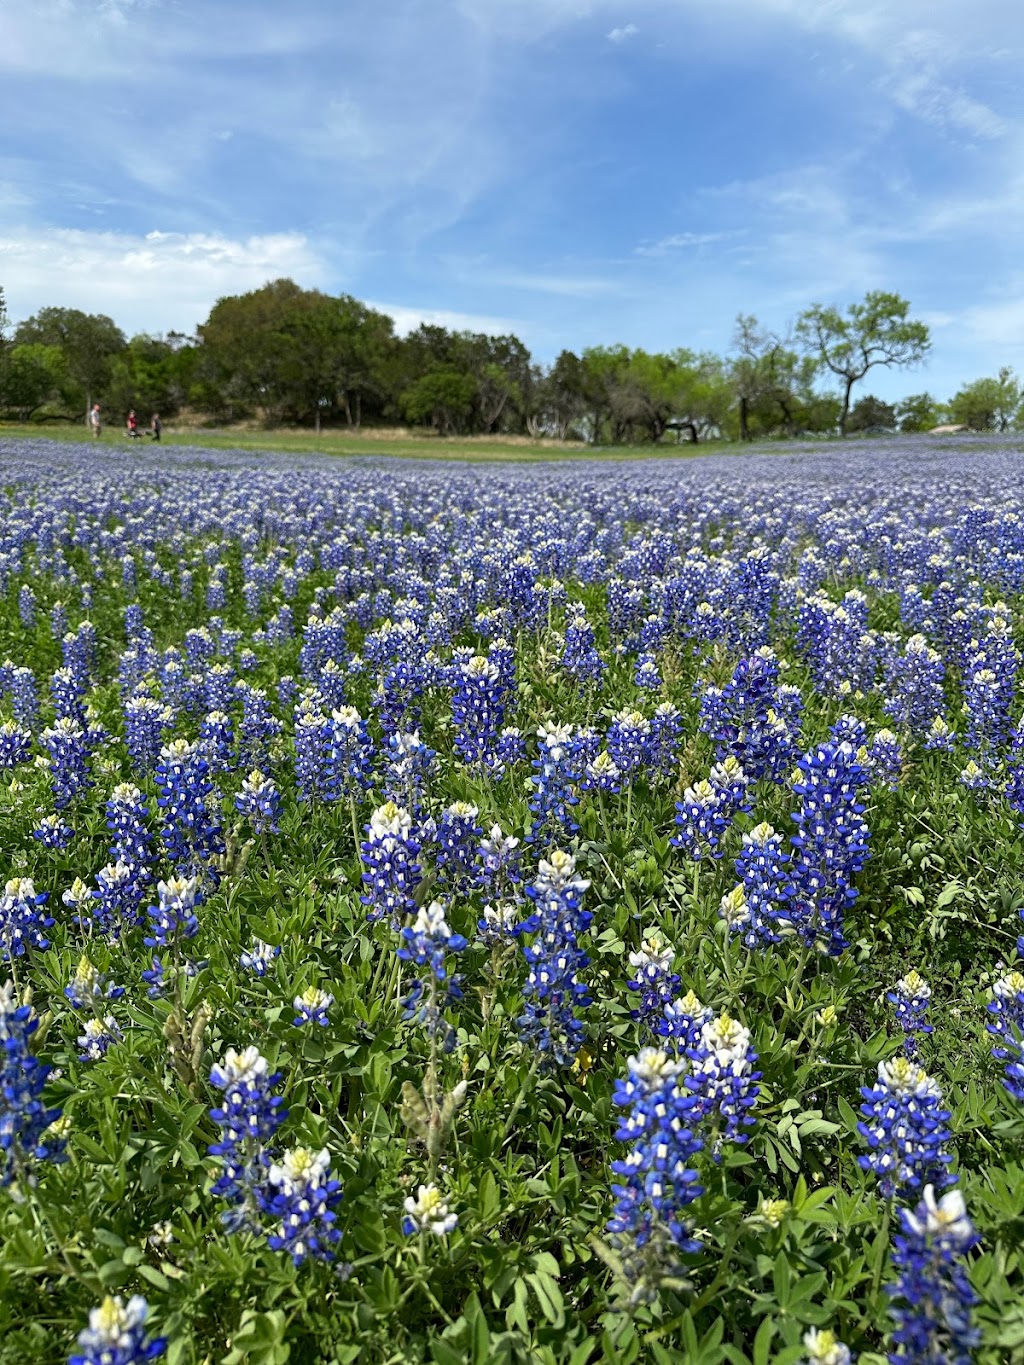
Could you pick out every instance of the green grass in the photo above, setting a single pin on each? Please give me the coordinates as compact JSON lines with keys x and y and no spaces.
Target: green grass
{"x":370,"y":443}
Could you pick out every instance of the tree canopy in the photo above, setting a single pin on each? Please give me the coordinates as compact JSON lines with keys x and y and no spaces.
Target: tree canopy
{"x":876,"y":332}
{"x":285,"y":354}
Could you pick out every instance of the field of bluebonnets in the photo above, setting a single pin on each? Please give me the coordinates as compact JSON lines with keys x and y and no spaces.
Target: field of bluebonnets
{"x":562,"y":913}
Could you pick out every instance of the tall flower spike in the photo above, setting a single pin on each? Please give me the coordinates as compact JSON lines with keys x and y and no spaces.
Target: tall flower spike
{"x":905,"y":1128}
{"x":27,"y":1133}
{"x":656,"y":1182}
{"x":1006,"y":1025}
{"x":932,"y":1296}
{"x":391,"y":873}
{"x":302,"y":1196}
{"x":911,"y":997}
{"x":248,"y":1117}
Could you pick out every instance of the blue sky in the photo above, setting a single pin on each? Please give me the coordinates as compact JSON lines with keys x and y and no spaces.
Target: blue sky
{"x":577,"y":171}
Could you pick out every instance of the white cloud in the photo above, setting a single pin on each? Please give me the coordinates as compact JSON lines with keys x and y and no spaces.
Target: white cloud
{"x":622,"y":35}
{"x":407,"y":319}
{"x":683,"y":240}
{"x":157,"y":282}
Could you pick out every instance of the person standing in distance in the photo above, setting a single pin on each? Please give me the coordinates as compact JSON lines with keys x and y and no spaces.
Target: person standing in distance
{"x":156,"y":426}
{"x":95,"y":422}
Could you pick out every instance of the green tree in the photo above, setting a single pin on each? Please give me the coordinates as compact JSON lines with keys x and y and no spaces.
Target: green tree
{"x":88,"y":342}
{"x":31,"y":376}
{"x":875,"y":332}
{"x":249,"y":360}
{"x":871,"y":414}
{"x":153,"y":374}
{"x":989,"y":404}
{"x":442,"y":398}
{"x":918,"y":412}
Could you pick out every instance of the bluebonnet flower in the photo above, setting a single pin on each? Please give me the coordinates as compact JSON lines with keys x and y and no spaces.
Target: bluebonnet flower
{"x":831,"y":845}
{"x":23,"y":921}
{"x":15,"y":745}
{"x":498,"y":858}
{"x":579,"y":653}
{"x":258,"y":957}
{"x":302,"y":1196}
{"x":457,"y":839}
{"x":702,"y":817}
{"x":656,"y":1180}
{"x":554,"y":992}
{"x":408,"y":765}
{"x":145,"y":720}
{"x":478,"y":709}
{"x":663,"y":741}
{"x":24,"y":1119}
{"x":173,"y":919}
{"x":248,"y":1117}
{"x":913,"y":686}
{"x":115,"y":900}
{"x":722,"y":1075}
{"x":68,"y":695}
{"x":349,"y":754}
{"x":257,"y":728}
{"x":939,"y":737}
{"x":116,"y":1335}
{"x":601,"y":774}
{"x":427,"y":943}
{"x":509,"y":751}
{"x":391,"y":873}
{"x":96,"y":1037}
{"x":763,"y":867}
{"x":27,"y":606}
{"x":89,"y":985}
{"x":127,"y":814}
{"x":67,"y":745}
{"x":259,"y":802}
{"x":932,"y":1296}
{"x":683,"y":1020}
{"x":216,"y":741}
{"x":753,"y":719}
{"x":311,"y":1006}
{"x":428,"y":1212}
{"x":501,"y":923}
{"x":823,"y":1347}
{"x":911,"y":997}
{"x":191,"y":823}
{"x":974,"y":777}
{"x":53,"y":832}
{"x":884,"y":758}
{"x":905,"y":1128}
{"x":554,"y":783}
{"x":653,"y":977}
{"x":1007,"y":1026}
{"x":25,"y":698}
{"x":646,"y":673}
{"x":314,"y":775}
{"x":628,"y":737}
{"x":990,"y":676}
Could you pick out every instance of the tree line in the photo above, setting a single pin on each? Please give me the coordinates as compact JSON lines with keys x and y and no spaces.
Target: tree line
{"x":288,"y":355}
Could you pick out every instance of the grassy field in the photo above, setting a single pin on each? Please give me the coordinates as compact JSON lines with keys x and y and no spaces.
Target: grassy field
{"x":371,"y":442}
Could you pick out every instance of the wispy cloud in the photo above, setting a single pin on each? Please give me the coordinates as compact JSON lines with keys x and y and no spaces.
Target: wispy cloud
{"x":622,"y":35}
{"x":407,"y":318}
{"x":682,"y":241}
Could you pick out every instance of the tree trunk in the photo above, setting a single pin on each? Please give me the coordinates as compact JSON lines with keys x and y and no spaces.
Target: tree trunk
{"x":846,"y":408}
{"x":744,"y":426}
{"x":359,"y":410}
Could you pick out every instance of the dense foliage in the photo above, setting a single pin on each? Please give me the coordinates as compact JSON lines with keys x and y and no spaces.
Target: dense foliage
{"x":560,"y":913}
{"x":286,"y":354}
